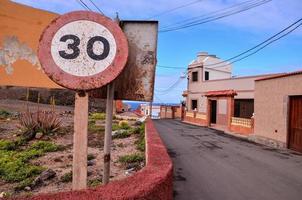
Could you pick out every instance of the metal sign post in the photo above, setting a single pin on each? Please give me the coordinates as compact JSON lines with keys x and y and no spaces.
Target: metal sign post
{"x":83,"y":51}
{"x":108,"y":134}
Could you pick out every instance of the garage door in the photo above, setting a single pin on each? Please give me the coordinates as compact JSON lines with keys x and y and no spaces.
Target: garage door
{"x":295,"y":122}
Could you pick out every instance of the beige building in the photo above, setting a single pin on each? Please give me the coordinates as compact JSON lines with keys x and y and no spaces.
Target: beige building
{"x":265,"y":108}
{"x":278,"y":110}
{"x":215,"y":98}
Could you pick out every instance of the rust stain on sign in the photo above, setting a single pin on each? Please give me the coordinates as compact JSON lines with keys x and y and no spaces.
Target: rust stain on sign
{"x":136,"y":82}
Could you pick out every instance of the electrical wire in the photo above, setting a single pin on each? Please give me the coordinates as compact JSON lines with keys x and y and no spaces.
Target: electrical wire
{"x":170,"y":67}
{"x":261,"y":47}
{"x":174,"y":9}
{"x":267,"y":42}
{"x":84,"y":5}
{"x":286,"y":31}
{"x":215,"y":17}
{"x":171,"y":87}
{"x":206,"y":15}
{"x":91,"y":1}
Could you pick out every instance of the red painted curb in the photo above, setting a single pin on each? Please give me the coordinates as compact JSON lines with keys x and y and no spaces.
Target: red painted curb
{"x":154,"y":182}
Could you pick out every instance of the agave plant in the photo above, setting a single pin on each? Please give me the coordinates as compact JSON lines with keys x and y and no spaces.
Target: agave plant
{"x":40,"y":121}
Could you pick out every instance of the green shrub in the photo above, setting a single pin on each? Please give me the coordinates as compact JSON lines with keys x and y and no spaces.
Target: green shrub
{"x":94,"y":182}
{"x":122,"y":134}
{"x":23,"y":184}
{"x":94,"y":128}
{"x":132,"y":158}
{"x":14,"y":164}
{"x":124,"y":124}
{"x":98,"y":116}
{"x":141,"y":145}
{"x":14,"y":167}
{"x":7,"y":145}
{"x":115,"y":127}
{"x":4,"y":114}
{"x":141,"y":142}
{"x":11,"y":145}
{"x":67,"y":177}
{"x":90,"y":157}
{"x":45,"y":146}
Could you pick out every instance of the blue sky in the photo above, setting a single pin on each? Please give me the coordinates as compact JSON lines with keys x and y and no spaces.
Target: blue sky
{"x":225,"y":37}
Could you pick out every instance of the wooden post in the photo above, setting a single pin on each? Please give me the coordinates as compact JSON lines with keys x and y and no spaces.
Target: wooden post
{"x":79,"y":166}
{"x":151,"y":106}
{"x":108,"y":134}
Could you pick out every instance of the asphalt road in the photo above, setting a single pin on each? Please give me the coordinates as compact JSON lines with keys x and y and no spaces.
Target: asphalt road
{"x":209,"y":165}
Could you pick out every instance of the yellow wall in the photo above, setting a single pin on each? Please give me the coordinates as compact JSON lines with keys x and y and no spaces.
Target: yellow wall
{"x":27,"y":24}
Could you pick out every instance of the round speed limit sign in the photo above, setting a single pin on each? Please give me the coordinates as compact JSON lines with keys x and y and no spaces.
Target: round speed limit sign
{"x":83,"y":50}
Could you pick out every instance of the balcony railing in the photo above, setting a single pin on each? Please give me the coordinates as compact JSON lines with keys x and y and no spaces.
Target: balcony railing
{"x":249,"y":123}
{"x":189,"y":114}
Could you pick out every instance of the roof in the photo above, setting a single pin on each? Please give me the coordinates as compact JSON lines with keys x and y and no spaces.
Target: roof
{"x":221,"y":93}
{"x":280,"y":75}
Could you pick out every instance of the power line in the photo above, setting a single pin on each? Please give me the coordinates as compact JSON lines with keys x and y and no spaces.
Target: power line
{"x":176,"y":8}
{"x":205,"y":15}
{"x":170,"y":67}
{"x":91,"y":1}
{"x":84,"y":5}
{"x":269,"y":41}
{"x":235,"y":9}
{"x":172,"y":86}
{"x":215,"y":17}
{"x":262,"y":45}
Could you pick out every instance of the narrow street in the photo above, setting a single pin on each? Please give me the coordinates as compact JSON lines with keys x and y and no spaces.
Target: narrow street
{"x":209,"y":165}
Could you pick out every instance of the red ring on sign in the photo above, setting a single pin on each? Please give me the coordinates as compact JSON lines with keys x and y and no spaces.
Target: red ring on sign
{"x":73,"y":82}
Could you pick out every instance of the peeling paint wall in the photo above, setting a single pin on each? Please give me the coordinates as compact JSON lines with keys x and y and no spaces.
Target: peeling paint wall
{"x":12,"y":50}
{"x":20,"y":30}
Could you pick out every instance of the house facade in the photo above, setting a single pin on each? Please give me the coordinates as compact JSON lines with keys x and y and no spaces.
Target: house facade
{"x":215,"y":98}
{"x":278,"y":111}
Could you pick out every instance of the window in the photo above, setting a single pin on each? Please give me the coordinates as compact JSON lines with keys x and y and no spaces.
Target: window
{"x":193,"y":104}
{"x":194,"y":76}
{"x":207,"y":75}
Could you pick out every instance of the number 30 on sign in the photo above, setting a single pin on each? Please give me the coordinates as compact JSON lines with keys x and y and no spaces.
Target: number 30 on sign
{"x":83,"y":50}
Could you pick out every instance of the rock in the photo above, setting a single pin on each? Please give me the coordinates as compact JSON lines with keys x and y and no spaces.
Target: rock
{"x":58,"y":160}
{"x":90,"y":162}
{"x":129,"y":171}
{"x":89,"y":172}
{"x":48,"y":174}
{"x":138,"y":123}
{"x":39,"y":135}
{"x":2,"y":194}
{"x":69,"y":156}
{"x":27,"y":188}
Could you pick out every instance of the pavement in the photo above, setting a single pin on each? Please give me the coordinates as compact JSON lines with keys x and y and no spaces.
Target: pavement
{"x":211,"y":165}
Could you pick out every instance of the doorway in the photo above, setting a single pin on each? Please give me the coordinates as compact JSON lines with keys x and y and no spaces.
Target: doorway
{"x":213,"y":111}
{"x":295,"y":124}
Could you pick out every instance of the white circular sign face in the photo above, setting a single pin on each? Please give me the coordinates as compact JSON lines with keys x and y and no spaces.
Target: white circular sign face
{"x":83,"y":48}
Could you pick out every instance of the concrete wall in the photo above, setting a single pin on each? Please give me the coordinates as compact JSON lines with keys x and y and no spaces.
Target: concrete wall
{"x":271,"y":106}
{"x":154,"y":182}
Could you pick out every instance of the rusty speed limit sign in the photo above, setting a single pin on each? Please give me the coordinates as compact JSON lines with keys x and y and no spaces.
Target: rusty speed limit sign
{"x":83,"y":50}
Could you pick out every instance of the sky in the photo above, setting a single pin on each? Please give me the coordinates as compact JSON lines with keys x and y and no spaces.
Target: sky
{"x":225,"y":37}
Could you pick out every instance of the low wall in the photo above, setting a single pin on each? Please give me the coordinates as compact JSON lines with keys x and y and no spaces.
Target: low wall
{"x":154,"y":182}
{"x":195,"y":118}
{"x":196,"y":121}
{"x":241,"y":130}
